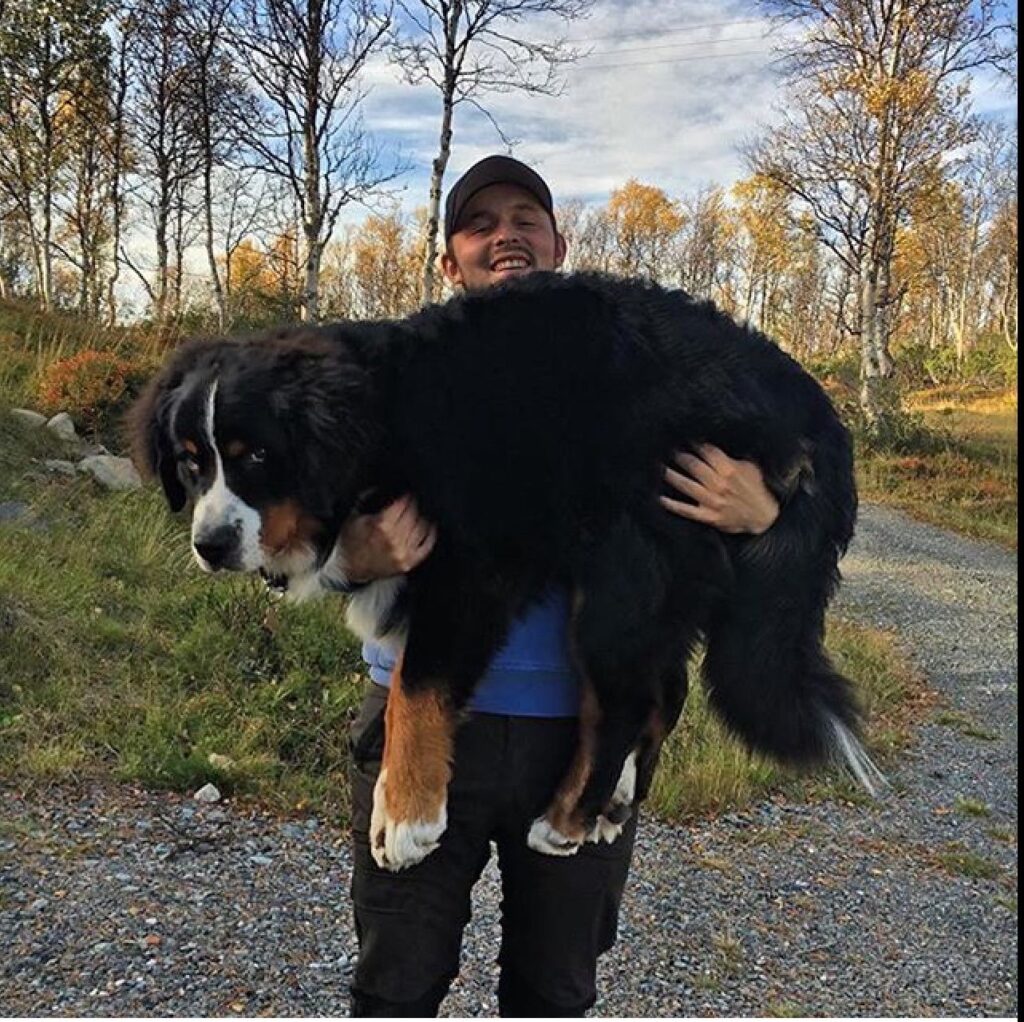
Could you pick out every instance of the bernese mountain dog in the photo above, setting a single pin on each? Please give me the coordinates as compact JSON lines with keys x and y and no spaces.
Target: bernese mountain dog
{"x":532,"y":423}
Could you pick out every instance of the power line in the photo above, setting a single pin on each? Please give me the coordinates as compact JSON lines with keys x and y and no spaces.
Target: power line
{"x":669,"y":46}
{"x":670,"y":60}
{"x":663,"y":32}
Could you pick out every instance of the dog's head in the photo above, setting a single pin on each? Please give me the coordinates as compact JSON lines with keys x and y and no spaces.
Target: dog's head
{"x":267,"y":438}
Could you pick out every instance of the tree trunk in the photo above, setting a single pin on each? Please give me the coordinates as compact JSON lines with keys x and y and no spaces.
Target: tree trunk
{"x":438,"y":168}
{"x":310,"y":310}
{"x":870,"y":370}
{"x":218,"y":290}
{"x":162,"y":220}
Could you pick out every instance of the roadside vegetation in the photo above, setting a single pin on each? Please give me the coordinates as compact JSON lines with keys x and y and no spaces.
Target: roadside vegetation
{"x":119,"y":659}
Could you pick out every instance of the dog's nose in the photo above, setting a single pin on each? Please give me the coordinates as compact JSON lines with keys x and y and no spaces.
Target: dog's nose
{"x":217,"y":546}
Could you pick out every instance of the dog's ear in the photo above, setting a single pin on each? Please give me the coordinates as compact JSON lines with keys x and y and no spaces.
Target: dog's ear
{"x":149,"y":420}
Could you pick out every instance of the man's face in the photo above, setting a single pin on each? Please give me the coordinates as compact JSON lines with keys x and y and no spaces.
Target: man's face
{"x":503,"y":232}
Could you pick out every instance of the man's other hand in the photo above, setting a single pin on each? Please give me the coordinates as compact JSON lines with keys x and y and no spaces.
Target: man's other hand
{"x":391,"y":542}
{"x":727,"y":494}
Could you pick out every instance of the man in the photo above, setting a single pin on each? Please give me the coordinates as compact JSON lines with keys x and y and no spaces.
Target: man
{"x":558,"y":914}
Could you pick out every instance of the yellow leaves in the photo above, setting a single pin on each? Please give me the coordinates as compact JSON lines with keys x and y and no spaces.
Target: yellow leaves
{"x":637,"y":208}
{"x":386,"y":266}
{"x":882,"y":94}
{"x":252,"y":270}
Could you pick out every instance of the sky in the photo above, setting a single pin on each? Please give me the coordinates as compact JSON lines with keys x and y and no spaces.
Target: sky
{"x":667,"y":93}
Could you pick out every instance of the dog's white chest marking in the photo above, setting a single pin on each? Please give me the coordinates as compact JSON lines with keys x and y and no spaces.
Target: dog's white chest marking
{"x":369,"y":609}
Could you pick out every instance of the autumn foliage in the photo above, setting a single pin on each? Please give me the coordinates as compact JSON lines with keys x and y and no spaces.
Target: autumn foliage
{"x":92,"y":386}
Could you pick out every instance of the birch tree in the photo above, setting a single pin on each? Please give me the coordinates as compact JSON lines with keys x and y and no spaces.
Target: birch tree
{"x":878,"y":96}
{"x":469,"y":49}
{"x":305,"y":58}
{"x":42,"y":50}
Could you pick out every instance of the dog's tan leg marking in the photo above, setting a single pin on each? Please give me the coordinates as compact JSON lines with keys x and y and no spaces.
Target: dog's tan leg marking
{"x":410,"y":797}
{"x":562,"y":829}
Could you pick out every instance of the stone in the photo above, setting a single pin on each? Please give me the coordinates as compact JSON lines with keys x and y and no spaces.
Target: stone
{"x":62,"y":426}
{"x":207,"y":793}
{"x":112,"y":472}
{"x":28,"y":417}
{"x":12,"y":510}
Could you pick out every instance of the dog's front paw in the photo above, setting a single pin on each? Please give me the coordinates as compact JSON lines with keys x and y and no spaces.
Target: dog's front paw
{"x":396,"y":844}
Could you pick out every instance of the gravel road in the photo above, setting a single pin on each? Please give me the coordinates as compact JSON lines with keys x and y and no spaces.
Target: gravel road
{"x":115,"y":901}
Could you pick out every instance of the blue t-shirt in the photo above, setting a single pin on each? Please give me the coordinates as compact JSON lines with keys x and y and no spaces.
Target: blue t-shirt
{"x":531,"y":675}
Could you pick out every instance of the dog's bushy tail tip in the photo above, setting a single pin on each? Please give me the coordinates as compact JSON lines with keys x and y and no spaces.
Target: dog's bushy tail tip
{"x":854,"y":756}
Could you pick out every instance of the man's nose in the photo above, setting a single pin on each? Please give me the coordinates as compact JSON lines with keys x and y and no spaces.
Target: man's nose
{"x":506,"y":233}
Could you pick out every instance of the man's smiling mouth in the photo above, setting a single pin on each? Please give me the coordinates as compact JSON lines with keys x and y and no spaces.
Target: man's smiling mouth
{"x":510,"y":263}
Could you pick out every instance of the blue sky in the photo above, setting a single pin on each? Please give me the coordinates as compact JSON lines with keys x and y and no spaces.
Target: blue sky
{"x":667,"y":94}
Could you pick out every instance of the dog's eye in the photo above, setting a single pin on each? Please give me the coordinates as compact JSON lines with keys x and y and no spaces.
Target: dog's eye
{"x":191,"y":466}
{"x":258,"y":456}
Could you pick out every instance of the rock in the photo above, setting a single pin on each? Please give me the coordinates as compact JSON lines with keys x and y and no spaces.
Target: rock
{"x":62,"y":426}
{"x":207,"y":793}
{"x":64,"y":468}
{"x":28,"y":417}
{"x":86,"y":449}
{"x":12,"y":510}
{"x":113,"y":473}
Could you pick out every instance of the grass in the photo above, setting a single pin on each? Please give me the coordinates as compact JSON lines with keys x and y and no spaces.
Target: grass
{"x":703,"y":769}
{"x":972,"y":807}
{"x":965,"y":476}
{"x":965,"y":725}
{"x":118,"y":659}
{"x":960,"y":861}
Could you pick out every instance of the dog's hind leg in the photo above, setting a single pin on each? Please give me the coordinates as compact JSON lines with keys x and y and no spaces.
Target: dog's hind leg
{"x":628,"y":636}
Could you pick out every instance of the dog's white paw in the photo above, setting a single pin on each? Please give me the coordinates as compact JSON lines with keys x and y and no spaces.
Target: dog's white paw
{"x":398,"y":844}
{"x":543,"y":837}
{"x":604,"y":830}
{"x":609,"y":824}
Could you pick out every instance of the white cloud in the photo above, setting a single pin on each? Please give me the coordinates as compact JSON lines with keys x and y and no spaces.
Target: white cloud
{"x":666,"y":94}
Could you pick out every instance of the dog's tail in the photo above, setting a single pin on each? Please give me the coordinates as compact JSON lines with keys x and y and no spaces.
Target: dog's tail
{"x":768,"y":676}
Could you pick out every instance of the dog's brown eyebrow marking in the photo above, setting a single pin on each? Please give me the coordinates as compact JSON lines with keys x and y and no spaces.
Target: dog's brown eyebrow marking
{"x":236,"y":448}
{"x":190,"y":446}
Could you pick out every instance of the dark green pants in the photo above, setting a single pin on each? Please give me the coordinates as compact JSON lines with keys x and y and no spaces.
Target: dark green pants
{"x":557,"y":914}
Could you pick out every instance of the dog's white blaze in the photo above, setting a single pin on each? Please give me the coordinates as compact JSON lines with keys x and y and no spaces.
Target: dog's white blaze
{"x":218,"y":507}
{"x":405,"y":842}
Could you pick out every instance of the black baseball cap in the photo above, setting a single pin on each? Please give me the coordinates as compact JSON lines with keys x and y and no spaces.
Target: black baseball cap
{"x":494,"y":170}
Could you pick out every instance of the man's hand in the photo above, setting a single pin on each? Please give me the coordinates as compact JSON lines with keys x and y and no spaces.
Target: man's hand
{"x":728,"y":494}
{"x":391,"y":542}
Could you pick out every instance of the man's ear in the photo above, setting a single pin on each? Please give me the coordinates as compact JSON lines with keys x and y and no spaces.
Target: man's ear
{"x":451,"y":268}
{"x":561,"y":248}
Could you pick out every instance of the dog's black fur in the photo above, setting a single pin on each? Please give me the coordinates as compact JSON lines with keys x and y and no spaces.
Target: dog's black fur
{"x":532,"y":423}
